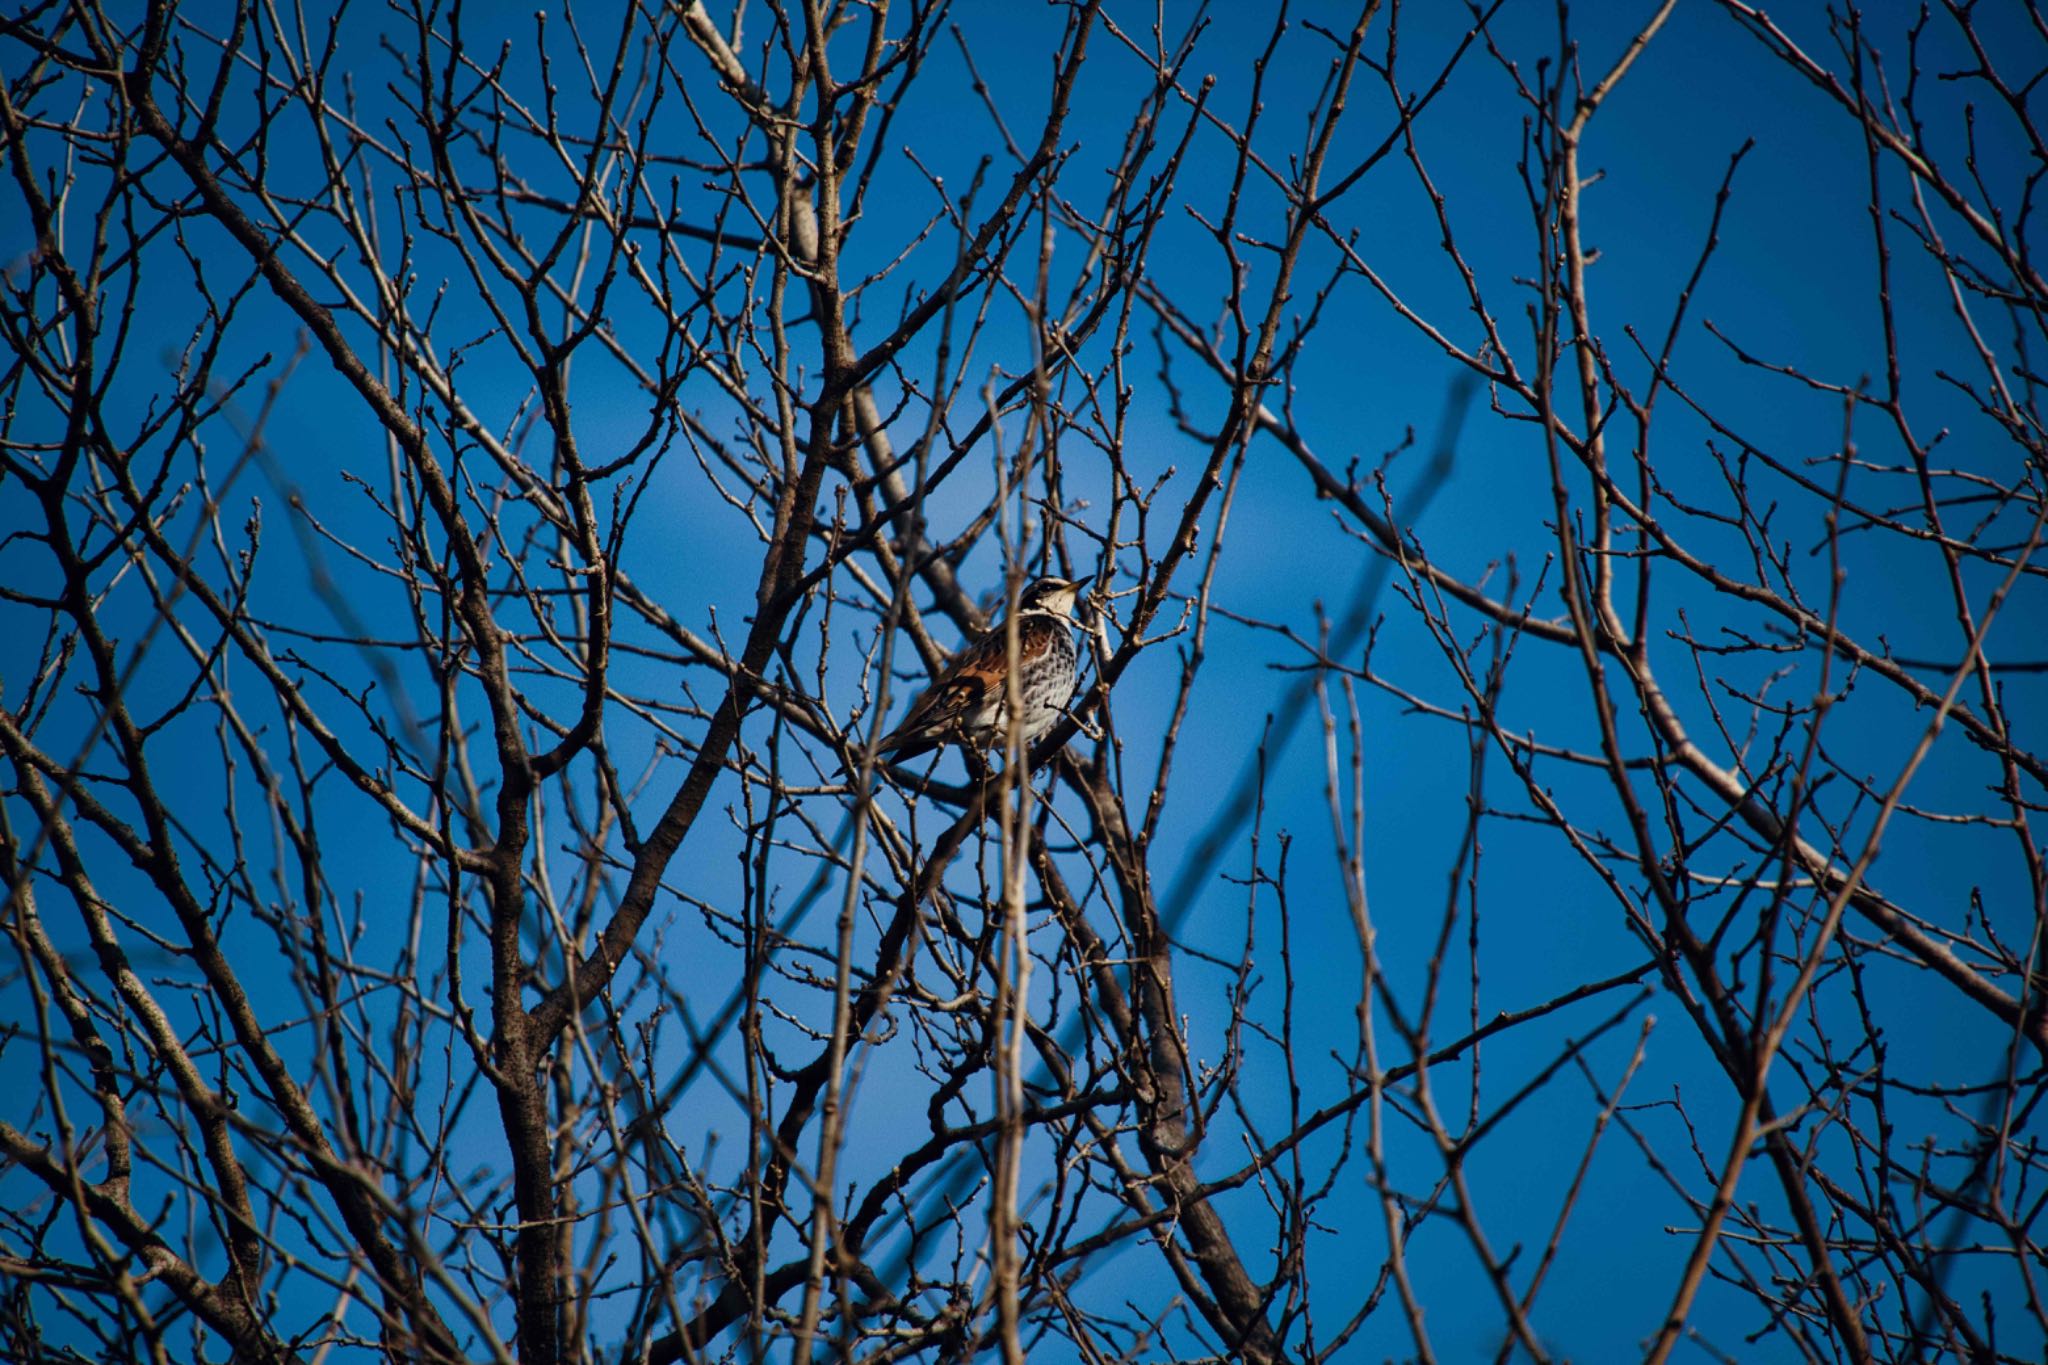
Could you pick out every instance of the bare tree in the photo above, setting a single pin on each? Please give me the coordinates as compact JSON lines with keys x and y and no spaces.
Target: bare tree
{"x":476,"y":487}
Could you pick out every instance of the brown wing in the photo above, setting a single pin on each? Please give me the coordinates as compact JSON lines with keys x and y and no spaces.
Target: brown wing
{"x":956,"y":699}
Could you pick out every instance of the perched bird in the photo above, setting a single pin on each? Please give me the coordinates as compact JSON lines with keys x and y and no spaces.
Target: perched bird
{"x":968,"y":702}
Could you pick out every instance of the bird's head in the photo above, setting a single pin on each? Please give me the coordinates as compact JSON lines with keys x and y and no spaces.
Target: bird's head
{"x":1053,"y":596}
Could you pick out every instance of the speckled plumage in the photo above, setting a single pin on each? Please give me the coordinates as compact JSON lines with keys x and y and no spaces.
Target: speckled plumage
{"x":968,"y":702}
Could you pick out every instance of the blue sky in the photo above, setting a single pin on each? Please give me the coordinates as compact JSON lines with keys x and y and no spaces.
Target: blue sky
{"x":1791,"y":281}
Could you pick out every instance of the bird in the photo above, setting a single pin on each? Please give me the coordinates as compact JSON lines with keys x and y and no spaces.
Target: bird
{"x":968,"y":703}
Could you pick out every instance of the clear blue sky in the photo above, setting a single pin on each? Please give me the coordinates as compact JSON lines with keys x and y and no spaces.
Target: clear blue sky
{"x":1792,"y":281}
